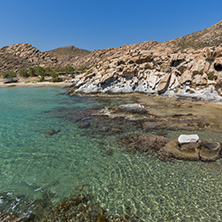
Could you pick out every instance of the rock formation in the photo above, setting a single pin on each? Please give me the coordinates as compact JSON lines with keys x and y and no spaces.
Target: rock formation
{"x":153,"y":67}
{"x":170,"y":148}
{"x":188,"y":66}
{"x":25,"y":55}
{"x":152,"y":71}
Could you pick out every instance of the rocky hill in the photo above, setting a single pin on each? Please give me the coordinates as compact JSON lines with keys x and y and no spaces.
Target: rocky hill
{"x":178,"y":66}
{"x":25,"y":55}
{"x":208,"y":37}
{"x":67,"y":52}
{"x":153,"y":67}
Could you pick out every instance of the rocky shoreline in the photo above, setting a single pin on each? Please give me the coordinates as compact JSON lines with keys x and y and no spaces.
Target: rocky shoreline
{"x":187,"y":73}
{"x":147,"y":129}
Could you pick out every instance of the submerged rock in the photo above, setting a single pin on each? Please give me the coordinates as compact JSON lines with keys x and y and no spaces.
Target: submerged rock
{"x":167,"y":148}
{"x":144,"y":143}
{"x":83,"y":124}
{"x":130,"y":108}
{"x":51,"y":132}
{"x":182,"y":152}
{"x":193,"y":151}
{"x":80,"y":208}
{"x":210,"y":151}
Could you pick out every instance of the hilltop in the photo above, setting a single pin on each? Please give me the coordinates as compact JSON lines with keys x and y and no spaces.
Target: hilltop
{"x":208,"y":37}
{"x":24,"y":55}
{"x":68,"y":51}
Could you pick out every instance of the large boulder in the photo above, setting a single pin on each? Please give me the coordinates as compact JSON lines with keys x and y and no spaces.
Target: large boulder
{"x":210,"y":151}
{"x":186,"y":77}
{"x":188,"y":138}
{"x":164,"y":84}
{"x":182,"y":152}
{"x":193,"y":151}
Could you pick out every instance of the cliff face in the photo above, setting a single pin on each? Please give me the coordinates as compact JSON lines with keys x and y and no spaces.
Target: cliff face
{"x":25,"y":55}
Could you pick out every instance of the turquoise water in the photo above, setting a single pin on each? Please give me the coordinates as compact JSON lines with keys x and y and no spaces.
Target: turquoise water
{"x":36,"y":166}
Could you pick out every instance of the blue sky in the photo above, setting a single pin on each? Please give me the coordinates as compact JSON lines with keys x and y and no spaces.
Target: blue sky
{"x":97,"y":24}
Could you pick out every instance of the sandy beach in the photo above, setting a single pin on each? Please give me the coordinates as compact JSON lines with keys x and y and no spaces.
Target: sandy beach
{"x":33,"y":82}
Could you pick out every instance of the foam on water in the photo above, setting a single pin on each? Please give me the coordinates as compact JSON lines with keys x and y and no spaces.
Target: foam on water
{"x":37,"y":166}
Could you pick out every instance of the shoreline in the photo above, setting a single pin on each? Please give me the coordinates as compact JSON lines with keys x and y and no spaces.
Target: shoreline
{"x":35,"y":84}
{"x":193,"y":98}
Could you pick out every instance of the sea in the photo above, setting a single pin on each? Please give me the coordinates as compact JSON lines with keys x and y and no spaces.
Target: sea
{"x":46,"y":156}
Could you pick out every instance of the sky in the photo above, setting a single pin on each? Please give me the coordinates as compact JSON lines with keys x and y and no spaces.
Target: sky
{"x":98,"y":24}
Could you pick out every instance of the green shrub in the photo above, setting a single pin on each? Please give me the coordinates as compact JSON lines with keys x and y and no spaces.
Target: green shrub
{"x":8,"y":74}
{"x":69,"y":69}
{"x":210,"y":76}
{"x":56,"y":79}
{"x":182,"y":69}
{"x":40,"y":71}
{"x":147,"y":66}
{"x":55,"y":76}
{"x":82,"y":69}
{"x":195,"y":72}
{"x":31,"y":72}
{"x":23,"y":72}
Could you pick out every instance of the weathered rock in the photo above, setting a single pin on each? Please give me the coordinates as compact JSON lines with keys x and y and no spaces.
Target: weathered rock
{"x":25,"y":55}
{"x":164,"y":84}
{"x":184,"y":152}
{"x":144,"y":143}
{"x":51,"y":132}
{"x":191,"y":138}
{"x":83,"y":124}
{"x":210,"y":151}
{"x":186,"y":77}
{"x":130,"y":108}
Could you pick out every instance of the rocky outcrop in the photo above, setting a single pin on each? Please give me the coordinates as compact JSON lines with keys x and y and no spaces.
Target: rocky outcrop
{"x":25,"y":55}
{"x":204,"y":151}
{"x":191,"y":138}
{"x":170,"y":148}
{"x":194,"y":60}
{"x":151,"y":71}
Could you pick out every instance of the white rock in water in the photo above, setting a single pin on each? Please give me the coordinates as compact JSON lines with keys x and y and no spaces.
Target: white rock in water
{"x":191,"y":138}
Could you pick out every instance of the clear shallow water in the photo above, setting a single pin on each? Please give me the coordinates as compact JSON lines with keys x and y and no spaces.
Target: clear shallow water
{"x":36,"y":166}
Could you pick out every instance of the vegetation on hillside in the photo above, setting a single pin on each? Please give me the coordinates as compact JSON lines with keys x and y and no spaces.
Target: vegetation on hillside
{"x":42,"y":72}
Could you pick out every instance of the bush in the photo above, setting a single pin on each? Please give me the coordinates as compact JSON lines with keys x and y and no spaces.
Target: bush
{"x":147,"y":66}
{"x":48,"y":70}
{"x":8,"y":74}
{"x":69,"y":69}
{"x":55,"y":76}
{"x":24,"y":72}
{"x":40,"y":71}
{"x":210,"y":76}
{"x":82,"y":69}
{"x":31,"y":72}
